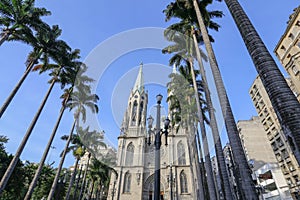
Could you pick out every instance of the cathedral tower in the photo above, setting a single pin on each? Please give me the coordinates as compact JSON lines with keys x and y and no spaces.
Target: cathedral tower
{"x":134,"y":179}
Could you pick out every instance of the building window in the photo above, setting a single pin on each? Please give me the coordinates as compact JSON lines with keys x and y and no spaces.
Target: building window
{"x":274,"y":146}
{"x":291,"y":36}
{"x":183,"y":182}
{"x":284,"y":154}
{"x":295,"y":70}
{"x":284,"y":169}
{"x":278,"y":157}
{"x":296,"y":178}
{"x":291,"y":166}
{"x":127,"y":183}
{"x":134,"y":113}
{"x":140,"y":113}
{"x":129,"y":155}
{"x":283,"y":48}
{"x":289,"y":181}
{"x":181,"y":153}
{"x":279,"y":142}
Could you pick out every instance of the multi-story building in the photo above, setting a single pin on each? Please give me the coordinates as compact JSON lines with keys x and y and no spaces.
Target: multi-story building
{"x":256,"y":145}
{"x":135,"y":158}
{"x":288,"y":50}
{"x":279,"y":143}
{"x":262,"y":160}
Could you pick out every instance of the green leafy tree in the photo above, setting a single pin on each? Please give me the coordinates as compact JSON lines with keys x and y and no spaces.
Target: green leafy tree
{"x":44,"y":183}
{"x":15,"y":187}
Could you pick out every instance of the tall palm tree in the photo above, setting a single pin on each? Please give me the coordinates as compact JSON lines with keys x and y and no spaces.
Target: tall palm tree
{"x":80,"y":99}
{"x":19,"y":18}
{"x":186,"y":48}
{"x":243,"y":174}
{"x":284,"y":102}
{"x":182,"y":114}
{"x":77,"y":77}
{"x":46,"y":45}
{"x":99,"y":172}
{"x":78,"y":150}
{"x":78,"y":180}
{"x":59,"y":74}
{"x":84,"y":177}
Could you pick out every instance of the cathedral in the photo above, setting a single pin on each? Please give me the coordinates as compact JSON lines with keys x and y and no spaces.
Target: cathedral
{"x":134,"y":176}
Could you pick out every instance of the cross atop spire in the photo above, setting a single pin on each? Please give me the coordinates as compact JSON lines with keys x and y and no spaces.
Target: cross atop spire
{"x":139,"y":83}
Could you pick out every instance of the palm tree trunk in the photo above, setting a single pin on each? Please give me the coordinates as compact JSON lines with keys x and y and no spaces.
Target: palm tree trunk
{"x":77,"y":182}
{"x":214,"y":127}
{"x":198,"y":169}
{"x":203,"y":132}
{"x":72,"y":179}
{"x":4,"y":36}
{"x":92,"y":190}
{"x":84,"y":177}
{"x":203,"y":174}
{"x":14,"y":161}
{"x":284,"y":102}
{"x":42,"y":161}
{"x":244,"y":173}
{"x":54,"y":184}
{"x":19,"y":84}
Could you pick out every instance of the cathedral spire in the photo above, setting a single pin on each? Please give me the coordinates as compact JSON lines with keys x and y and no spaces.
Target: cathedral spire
{"x":139,"y":83}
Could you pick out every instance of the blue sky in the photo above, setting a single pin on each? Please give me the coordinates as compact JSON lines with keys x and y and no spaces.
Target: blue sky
{"x":88,"y":24}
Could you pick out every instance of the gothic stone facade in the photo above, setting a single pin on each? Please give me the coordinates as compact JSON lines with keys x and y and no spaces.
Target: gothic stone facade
{"x":135,"y":158}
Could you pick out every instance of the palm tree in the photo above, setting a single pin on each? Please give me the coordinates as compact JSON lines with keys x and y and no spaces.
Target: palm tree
{"x":18,"y":19}
{"x":284,"y":102}
{"x":184,"y":46}
{"x":46,"y":45}
{"x":182,"y":112}
{"x":84,"y":176}
{"x":78,"y":180}
{"x":80,"y":99}
{"x":59,"y":75}
{"x":77,"y":78}
{"x":243,"y":174}
{"x":78,"y":150}
{"x":98,"y":172}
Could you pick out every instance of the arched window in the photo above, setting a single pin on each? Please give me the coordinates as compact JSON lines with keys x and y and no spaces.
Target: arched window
{"x":129,"y":154}
{"x":183,"y":182}
{"x":127,"y":182}
{"x":134,"y":113}
{"x":181,"y":153}
{"x":140,"y":113}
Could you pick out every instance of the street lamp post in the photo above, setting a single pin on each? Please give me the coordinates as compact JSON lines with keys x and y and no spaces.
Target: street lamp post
{"x":171,"y":180}
{"x":157,"y":142}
